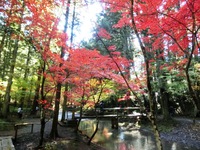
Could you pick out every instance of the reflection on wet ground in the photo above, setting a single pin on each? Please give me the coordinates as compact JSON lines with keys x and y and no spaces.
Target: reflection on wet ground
{"x":127,"y":137}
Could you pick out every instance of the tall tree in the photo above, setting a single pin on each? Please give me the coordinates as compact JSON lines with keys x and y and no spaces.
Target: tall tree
{"x":128,"y":18}
{"x":54,"y":130}
{"x":181,"y":34}
{"x":37,"y":90}
{"x":16,"y":13}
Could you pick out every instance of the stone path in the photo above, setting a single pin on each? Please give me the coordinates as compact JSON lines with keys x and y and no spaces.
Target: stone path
{"x":6,"y":143}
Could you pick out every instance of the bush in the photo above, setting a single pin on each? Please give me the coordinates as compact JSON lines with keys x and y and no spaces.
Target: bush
{"x":5,"y":125}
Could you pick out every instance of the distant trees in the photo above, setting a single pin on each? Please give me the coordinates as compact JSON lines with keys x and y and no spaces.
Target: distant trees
{"x":13,"y":45}
{"x":121,"y":37}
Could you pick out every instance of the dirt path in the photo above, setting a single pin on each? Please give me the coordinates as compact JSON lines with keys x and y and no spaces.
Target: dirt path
{"x":28,"y":141}
{"x":25,"y":129}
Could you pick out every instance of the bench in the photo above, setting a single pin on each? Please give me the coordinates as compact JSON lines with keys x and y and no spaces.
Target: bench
{"x":6,"y":143}
{"x":16,"y":127}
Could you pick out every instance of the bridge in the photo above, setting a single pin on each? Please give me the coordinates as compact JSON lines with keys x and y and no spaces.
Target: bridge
{"x":115,"y":114}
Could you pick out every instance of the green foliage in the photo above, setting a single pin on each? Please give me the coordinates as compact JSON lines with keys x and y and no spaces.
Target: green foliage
{"x":166,"y":125}
{"x":120,"y":36}
{"x":177,"y":87}
{"x":23,"y":87}
{"x":5,"y":125}
{"x":50,"y":146}
{"x":163,"y":125}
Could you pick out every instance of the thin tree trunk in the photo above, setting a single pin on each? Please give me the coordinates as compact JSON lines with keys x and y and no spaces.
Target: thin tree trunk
{"x":1,"y":50}
{"x":72,"y":25}
{"x":42,"y":116}
{"x":54,"y":130}
{"x":23,"y":95}
{"x":196,"y":101}
{"x":79,"y":121}
{"x":64,"y":102}
{"x":151,"y":103}
{"x":97,"y":127}
{"x":71,"y":41}
{"x":11,"y":72}
{"x":164,"y":96}
{"x":97,"y":124}
{"x":37,"y":90}
{"x":165,"y":104}
{"x":42,"y":129}
{"x":10,"y":79}
{"x":7,"y":59}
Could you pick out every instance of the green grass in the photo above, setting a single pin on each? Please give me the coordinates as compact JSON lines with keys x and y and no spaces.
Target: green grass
{"x":166,"y":126}
{"x":163,"y":125}
{"x":6,"y":125}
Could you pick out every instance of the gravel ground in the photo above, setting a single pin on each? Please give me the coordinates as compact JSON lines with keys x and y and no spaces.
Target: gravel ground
{"x":184,"y":133}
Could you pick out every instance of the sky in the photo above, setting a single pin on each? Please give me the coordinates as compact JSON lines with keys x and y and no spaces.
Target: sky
{"x":87,"y":19}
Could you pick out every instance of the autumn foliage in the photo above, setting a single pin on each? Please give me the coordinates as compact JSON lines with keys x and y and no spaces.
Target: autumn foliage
{"x":169,"y":32}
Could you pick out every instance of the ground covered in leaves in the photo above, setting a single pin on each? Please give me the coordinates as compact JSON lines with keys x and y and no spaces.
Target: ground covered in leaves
{"x":68,"y":140}
{"x":184,"y":132}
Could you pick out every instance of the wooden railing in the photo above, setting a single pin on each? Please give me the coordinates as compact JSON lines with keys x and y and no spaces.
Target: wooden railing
{"x":16,"y":127}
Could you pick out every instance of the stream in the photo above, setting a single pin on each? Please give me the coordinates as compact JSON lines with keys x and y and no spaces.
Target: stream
{"x":128,"y":136}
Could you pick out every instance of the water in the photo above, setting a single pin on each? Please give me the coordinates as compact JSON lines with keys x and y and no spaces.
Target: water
{"x":127,"y":137}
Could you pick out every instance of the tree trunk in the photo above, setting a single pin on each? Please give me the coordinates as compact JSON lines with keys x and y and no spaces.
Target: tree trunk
{"x":42,"y":116}
{"x":195,"y":100}
{"x":164,"y":103}
{"x":9,"y":84}
{"x":148,"y":78}
{"x":97,"y":127}
{"x":64,"y":102}
{"x":3,"y":42}
{"x":11,"y":72}
{"x":1,"y":50}
{"x":79,"y":121}
{"x":54,"y":130}
{"x":37,"y":92}
{"x":42,"y":129}
{"x":162,"y":82}
{"x":152,"y":108}
{"x":23,"y":95}
{"x":7,"y":59}
{"x":72,"y":25}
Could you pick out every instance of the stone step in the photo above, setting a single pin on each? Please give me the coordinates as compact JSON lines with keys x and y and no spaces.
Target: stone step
{"x":6,"y":143}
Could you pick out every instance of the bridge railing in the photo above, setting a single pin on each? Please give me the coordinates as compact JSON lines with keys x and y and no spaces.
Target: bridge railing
{"x":119,"y":111}
{"x":126,"y":110}
{"x":122,"y":108}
